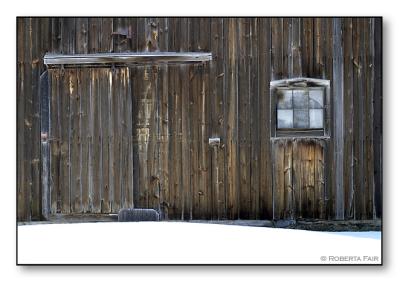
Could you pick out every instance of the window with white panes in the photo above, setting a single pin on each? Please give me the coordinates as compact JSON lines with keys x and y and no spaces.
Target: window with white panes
{"x":300,"y":108}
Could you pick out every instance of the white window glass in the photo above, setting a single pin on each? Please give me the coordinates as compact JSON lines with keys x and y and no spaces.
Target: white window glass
{"x":316,"y":98}
{"x":300,"y":118}
{"x":284,"y":99}
{"x":285,"y":118}
{"x":300,"y":99}
{"x":316,"y":118}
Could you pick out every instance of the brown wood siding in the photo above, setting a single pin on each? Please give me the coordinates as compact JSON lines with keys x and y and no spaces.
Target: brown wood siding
{"x":138,"y":136}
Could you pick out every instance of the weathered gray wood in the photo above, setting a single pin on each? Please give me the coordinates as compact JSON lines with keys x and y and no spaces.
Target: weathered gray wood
{"x":184,"y":76}
{"x":204,"y":108}
{"x":45,"y":89}
{"x":377,"y":121}
{"x":75,"y":144}
{"x":307,"y":51}
{"x":181,"y":125}
{"x":276,"y":49}
{"x":35,"y":38}
{"x":84,"y":90}
{"x":348,"y":119}
{"x":266,"y":188}
{"x":338,"y":121}
{"x":217,"y":93}
{"x":64,"y":111}
{"x":126,"y":58}
{"x":288,"y":182}
{"x":244,"y":119}
{"x":232,"y":111}
{"x":55,"y":142}
{"x":254,"y":139}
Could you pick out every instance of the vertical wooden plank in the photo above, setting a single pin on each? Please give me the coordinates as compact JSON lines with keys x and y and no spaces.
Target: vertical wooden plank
{"x":44,"y":93}
{"x":140,"y":34}
{"x":151,"y":32}
{"x":338,"y":121}
{"x":288,"y":181}
{"x":21,"y":29}
{"x":116,"y":108}
{"x":276,"y":49}
{"x":105,"y":92}
{"x":254,"y":122}
{"x":264,"y":65}
{"x":82,"y":35}
{"x":327,"y":29}
{"x":184,"y":76}
{"x":90,"y":138}
{"x":358,"y":51}
{"x":128,"y":134}
{"x":83,"y":92}
{"x":75,"y":143}
{"x":194,"y":85}
{"x":368,"y":117}
{"x":132,"y":30}
{"x":34,"y":119}
{"x":377,"y":122}
{"x":204,"y":154}
{"x":175,"y":124}
{"x":232,"y":111}
{"x":287,"y":37}
{"x":307,"y":51}
{"x":279,"y":179}
{"x":244,"y":119}
{"x":106,"y":39}
{"x":297,"y":178}
{"x":122,"y":72}
{"x":310,"y":180}
{"x":82,"y":46}
{"x":217,"y":93}
{"x":28,"y":112}
{"x":318,"y":48}
{"x":54,"y":139}
{"x":56,"y":35}
{"x":142,"y":134}
{"x":120,"y":34}
{"x":94,"y":34}
{"x":348,"y":118}
{"x":164,"y":122}
{"x":296,"y":48}
{"x":319,"y":196}
{"x":64,"y":110}
{"x":68,"y":35}
{"x":152,"y":150}
{"x":304,"y":174}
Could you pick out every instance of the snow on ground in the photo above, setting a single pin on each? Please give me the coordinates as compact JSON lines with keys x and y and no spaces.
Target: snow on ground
{"x":190,"y":243}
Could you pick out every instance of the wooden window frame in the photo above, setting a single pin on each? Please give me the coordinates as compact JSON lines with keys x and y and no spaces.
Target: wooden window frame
{"x":300,"y":84}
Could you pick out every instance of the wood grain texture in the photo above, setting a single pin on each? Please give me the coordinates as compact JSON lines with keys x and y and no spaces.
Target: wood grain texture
{"x":138,"y":135}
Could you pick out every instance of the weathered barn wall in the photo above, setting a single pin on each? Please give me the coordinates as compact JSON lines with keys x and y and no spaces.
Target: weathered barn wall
{"x":139,"y":135}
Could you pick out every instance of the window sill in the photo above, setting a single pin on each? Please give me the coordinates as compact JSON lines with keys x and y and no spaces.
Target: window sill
{"x":293,"y":137}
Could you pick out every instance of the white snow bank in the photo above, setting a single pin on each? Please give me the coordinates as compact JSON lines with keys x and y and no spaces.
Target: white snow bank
{"x":190,"y":243}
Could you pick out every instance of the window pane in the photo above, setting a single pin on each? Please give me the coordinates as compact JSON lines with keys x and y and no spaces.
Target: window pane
{"x":300,"y":99}
{"x":316,"y":118}
{"x":284,"y":99}
{"x":285,"y":118}
{"x":316,"y":99}
{"x":300,"y":118}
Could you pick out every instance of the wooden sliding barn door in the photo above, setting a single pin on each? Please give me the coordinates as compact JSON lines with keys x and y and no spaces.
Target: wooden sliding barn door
{"x":90,"y":136}
{"x":129,"y":137}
